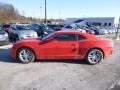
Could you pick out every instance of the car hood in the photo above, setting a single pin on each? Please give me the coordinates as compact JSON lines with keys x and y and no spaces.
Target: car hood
{"x":24,"y":31}
{"x":28,"y":41}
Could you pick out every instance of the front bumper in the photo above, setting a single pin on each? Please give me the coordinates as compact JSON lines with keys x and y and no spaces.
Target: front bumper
{"x":4,"y":42}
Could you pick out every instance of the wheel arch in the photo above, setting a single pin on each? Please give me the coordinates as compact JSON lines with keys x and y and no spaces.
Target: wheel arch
{"x":96,"y":48}
{"x":28,"y":48}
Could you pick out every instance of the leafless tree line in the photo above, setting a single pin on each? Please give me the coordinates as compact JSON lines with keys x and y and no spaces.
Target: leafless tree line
{"x":8,"y":12}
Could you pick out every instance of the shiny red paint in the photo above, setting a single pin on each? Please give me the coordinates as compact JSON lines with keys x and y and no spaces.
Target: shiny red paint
{"x":53,"y":49}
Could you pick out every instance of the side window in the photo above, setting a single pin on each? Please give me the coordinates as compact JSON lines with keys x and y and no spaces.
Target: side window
{"x":80,"y":37}
{"x":66,"y":37}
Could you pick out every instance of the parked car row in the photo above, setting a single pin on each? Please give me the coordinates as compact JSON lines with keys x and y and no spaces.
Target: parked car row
{"x":17,"y":32}
{"x":92,"y":30}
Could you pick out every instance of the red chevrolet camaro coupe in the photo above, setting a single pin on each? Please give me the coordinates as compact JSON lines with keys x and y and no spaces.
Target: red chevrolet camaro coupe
{"x":64,"y":45}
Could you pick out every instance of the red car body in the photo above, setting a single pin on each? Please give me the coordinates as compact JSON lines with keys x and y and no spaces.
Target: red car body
{"x":54,"y":49}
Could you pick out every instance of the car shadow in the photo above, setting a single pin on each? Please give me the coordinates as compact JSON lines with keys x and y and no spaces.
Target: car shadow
{"x":6,"y":56}
{"x":66,"y":61}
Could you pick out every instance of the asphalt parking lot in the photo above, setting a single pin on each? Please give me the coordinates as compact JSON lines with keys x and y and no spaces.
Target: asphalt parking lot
{"x":73,"y":75}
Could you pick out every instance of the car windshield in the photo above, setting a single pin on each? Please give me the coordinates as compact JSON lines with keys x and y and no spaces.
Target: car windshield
{"x":21,"y":27}
{"x":44,"y":38}
{"x":35,"y":26}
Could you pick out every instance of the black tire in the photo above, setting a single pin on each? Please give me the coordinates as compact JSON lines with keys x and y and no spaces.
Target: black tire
{"x":26,"y":58}
{"x":94,"y":59}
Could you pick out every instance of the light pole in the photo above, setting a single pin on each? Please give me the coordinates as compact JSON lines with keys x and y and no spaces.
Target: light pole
{"x":45,"y":12}
{"x":40,"y":14}
{"x":117,"y":33}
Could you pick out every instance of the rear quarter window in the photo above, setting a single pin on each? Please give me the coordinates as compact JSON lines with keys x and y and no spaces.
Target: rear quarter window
{"x":81,"y":37}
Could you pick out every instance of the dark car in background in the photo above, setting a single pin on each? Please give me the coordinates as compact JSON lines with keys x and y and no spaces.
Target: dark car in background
{"x":46,"y":29}
{"x":56,"y":27}
{"x":6,"y":27}
{"x":4,"y":39}
{"x":96,"y":30}
{"x":36,"y":28}
{"x":42,"y":29}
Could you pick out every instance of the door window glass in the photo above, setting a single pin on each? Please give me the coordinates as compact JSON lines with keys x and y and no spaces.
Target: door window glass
{"x":66,"y":37}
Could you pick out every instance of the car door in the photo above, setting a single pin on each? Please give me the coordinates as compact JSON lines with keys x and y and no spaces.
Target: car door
{"x":62,"y":46}
{"x":82,"y":46}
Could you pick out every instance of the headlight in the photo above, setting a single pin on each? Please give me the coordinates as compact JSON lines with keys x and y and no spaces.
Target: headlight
{"x":22,"y":36}
{"x":28,"y":35}
{"x":6,"y":35}
{"x":45,"y":32}
{"x":35,"y":34}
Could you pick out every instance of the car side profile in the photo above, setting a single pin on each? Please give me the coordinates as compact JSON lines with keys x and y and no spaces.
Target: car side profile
{"x":64,"y":45}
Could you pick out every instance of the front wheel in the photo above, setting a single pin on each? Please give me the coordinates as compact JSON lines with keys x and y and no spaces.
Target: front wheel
{"x":94,"y":56}
{"x":26,"y":55}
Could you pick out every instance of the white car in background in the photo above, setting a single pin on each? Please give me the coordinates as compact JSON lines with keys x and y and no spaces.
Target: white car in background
{"x":114,"y":29}
{"x":69,"y":27}
{"x":110,"y":31}
{"x":22,"y":31}
{"x":4,"y":39}
{"x":103,"y":31}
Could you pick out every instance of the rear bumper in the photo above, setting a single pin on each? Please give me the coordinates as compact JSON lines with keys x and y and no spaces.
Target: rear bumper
{"x":109,"y":52}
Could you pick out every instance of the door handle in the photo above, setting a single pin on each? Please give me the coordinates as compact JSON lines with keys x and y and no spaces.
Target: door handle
{"x":75,"y":49}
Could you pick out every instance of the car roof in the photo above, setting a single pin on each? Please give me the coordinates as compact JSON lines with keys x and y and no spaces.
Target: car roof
{"x":71,"y":31}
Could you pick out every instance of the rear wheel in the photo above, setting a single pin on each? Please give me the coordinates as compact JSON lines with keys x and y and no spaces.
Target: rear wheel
{"x":26,"y":55}
{"x":94,"y":56}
